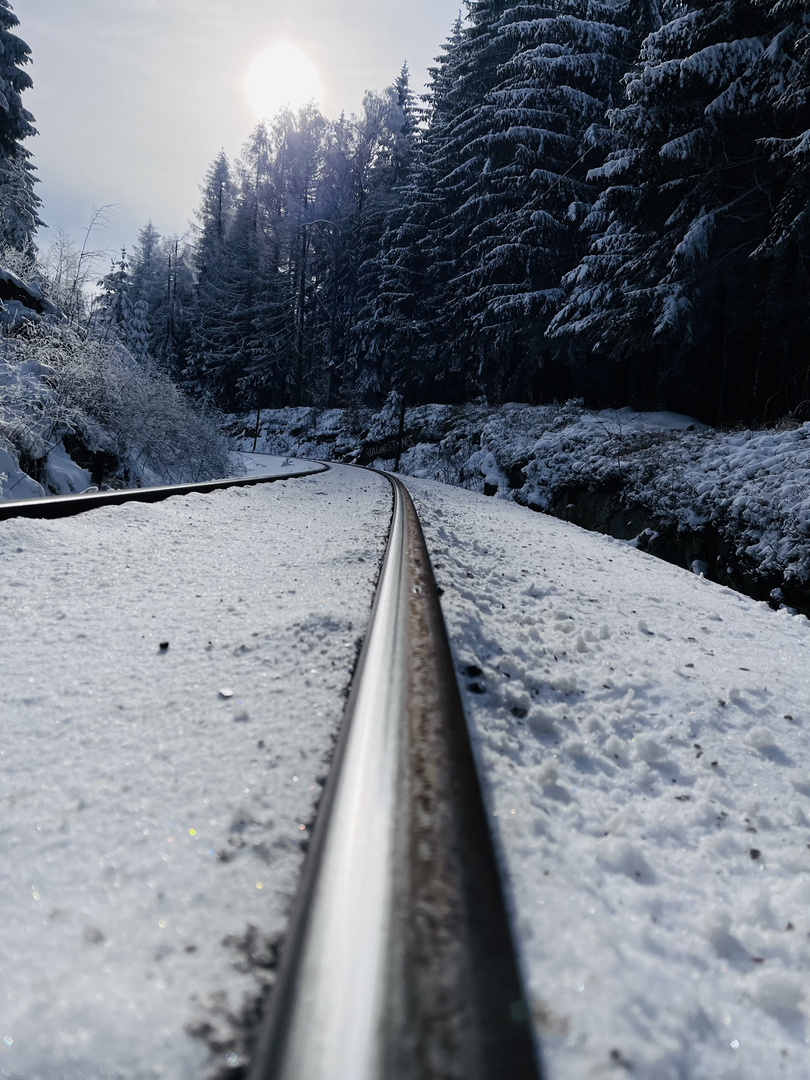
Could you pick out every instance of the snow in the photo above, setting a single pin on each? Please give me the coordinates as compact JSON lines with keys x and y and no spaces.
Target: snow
{"x":643,"y":736}
{"x":751,"y":488}
{"x":60,"y":391}
{"x":14,"y":483}
{"x":63,"y":476}
{"x":247,"y":464}
{"x":154,"y":799}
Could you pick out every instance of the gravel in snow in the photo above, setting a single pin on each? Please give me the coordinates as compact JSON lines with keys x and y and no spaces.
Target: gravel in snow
{"x":644,"y":739}
{"x":172,"y":681}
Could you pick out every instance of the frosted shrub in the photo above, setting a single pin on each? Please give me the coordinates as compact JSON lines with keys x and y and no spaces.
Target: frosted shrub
{"x":55,"y":383}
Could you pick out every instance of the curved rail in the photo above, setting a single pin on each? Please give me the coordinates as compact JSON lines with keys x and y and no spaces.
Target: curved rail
{"x":59,"y":506}
{"x":399,"y":963}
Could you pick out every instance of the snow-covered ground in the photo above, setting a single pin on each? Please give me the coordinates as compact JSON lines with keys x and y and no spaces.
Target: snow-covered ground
{"x":750,"y":490}
{"x":644,"y":738}
{"x":246,"y":464}
{"x":643,"y":735}
{"x":172,"y":679}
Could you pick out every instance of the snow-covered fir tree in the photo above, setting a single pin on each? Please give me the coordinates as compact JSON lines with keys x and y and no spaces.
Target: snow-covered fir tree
{"x":403,"y":320}
{"x":121,"y":313}
{"x":785,"y":81}
{"x":206,"y":352}
{"x":162,"y":281}
{"x":115,"y":299}
{"x":367,"y":163}
{"x":676,"y":296}
{"x":522,"y":178}
{"x":19,"y":203}
{"x":489,"y":224}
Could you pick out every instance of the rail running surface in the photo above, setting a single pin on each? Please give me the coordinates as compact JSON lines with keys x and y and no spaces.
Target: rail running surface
{"x":399,"y":963}
{"x":59,"y":506}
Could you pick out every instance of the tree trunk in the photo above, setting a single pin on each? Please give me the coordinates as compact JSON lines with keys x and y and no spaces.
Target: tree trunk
{"x":751,"y":346}
{"x":302,"y":297}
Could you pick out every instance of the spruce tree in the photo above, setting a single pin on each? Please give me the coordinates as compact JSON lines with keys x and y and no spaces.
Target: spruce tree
{"x":257,"y":293}
{"x":19,"y":204}
{"x":784,"y":79}
{"x":677,"y":298}
{"x":367,"y":162}
{"x":146,"y":267}
{"x":473,"y":261}
{"x":114,"y":299}
{"x":403,"y":323}
{"x":209,"y":348}
{"x":523,"y":179}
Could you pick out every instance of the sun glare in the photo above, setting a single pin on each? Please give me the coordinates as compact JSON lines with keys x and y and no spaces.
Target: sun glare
{"x":281,"y":75}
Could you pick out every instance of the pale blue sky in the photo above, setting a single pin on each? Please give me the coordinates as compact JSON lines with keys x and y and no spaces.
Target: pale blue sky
{"x":134,"y":98}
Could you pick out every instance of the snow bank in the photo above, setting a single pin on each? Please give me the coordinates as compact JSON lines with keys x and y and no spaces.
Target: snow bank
{"x":738,"y":503}
{"x":76,"y":411}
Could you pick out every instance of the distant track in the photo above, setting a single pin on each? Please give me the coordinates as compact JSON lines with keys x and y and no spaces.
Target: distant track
{"x":60,"y":506}
{"x":399,"y":963}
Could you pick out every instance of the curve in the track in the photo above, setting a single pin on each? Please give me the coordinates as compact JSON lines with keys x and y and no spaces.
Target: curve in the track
{"x":59,"y":506}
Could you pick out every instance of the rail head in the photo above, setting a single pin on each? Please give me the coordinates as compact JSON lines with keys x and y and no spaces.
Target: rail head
{"x":61,"y":506}
{"x":399,"y":963}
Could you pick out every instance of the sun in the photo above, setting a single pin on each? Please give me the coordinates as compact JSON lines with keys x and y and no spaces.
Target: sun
{"x":281,"y":75}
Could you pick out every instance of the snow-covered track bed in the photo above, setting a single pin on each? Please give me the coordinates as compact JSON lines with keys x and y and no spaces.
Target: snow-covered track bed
{"x":400,"y":962}
{"x":61,"y":506}
{"x":643,"y":737}
{"x":150,"y":890}
{"x":172,"y":679}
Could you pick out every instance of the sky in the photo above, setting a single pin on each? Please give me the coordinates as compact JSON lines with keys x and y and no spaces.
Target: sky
{"x":133,"y":99}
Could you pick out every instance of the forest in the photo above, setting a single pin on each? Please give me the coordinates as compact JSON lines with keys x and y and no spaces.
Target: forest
{"x":606,"y":201}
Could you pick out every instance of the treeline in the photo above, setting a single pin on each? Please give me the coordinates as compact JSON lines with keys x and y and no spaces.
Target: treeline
{"x":606,"y":200}
{"x":262,"y":304}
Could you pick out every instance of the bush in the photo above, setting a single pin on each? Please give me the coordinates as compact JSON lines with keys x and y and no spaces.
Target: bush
{"x":56,"y":383}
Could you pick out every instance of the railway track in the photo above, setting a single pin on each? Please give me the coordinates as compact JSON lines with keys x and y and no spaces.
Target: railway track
{"x":399,"y":962}
{"x":59,"y":506}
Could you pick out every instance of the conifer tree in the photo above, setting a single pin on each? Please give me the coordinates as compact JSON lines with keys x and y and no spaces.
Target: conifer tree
{"x":257,"y":293}
{"x":171,"y":316}
{"x":490,"y":222}
{"x":402,"y":324}
{"x":114,"y":300}
{"x":367,"y":161}
{"x":208,"y":349}
{"x":405,"y":130}
{"x":675,"y":293}
{"x":19,"y":204}
{"x":784,"y":79}
{"x":146,"y":267}
{"x":523,"y":177}
{"x":122,"y":313}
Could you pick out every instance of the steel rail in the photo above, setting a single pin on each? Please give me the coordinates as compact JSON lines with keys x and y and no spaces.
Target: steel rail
{"x":59,"y":506}
{"x":399,"y":963}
